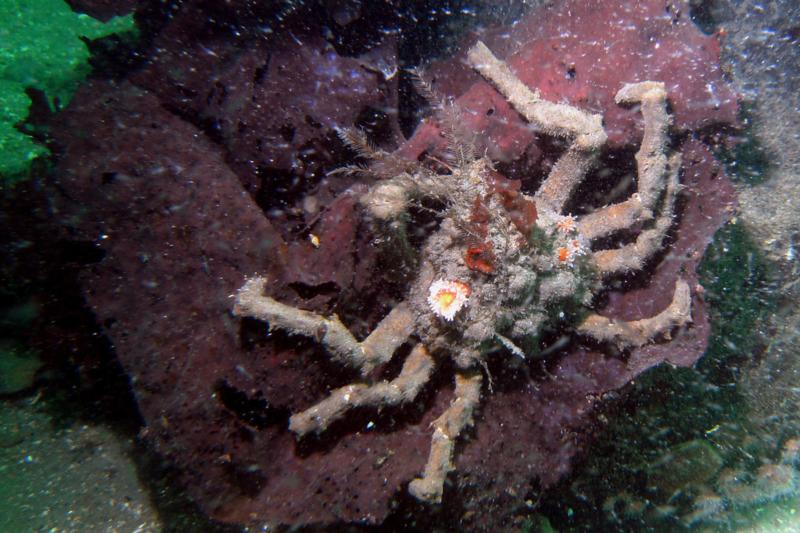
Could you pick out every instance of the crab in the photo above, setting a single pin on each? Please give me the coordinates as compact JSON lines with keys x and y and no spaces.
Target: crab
{"x":500,"y":265}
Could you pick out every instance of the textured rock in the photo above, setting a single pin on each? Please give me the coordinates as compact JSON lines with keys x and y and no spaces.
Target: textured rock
{"x":166,"y":198}
{"x":273,"y":105}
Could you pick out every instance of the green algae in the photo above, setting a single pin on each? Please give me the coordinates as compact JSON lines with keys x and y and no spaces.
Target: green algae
{"x":736,"y":278}
{"x":43,"y":49}
{"x":18,"y":367}
{"x":746,"y":161}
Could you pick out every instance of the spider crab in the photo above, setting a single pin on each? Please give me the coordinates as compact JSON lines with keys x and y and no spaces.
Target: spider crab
{"x":499,"y":266}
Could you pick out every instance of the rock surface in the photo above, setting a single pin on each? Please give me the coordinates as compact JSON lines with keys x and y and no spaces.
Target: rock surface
{"x":171,"y":173}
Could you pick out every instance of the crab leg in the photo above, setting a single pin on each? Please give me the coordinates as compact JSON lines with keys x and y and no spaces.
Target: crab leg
{"x":558,"y":120}
{"x":633,"y":256}
{"x":376,"y":349}
{"x":651,"y":162}
{"x":447,"y":428}
{"x":416,"y":372}
{"x":632,"y":334}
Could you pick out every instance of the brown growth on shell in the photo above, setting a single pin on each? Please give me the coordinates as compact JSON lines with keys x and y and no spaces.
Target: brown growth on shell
{"x":480,"y":258}
{"x":521,"y":210}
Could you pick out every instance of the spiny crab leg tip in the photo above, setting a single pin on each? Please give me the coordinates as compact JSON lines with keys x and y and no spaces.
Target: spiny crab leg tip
{"x":476,"y":54}
{"x":253,"y":284}
{"x":636,"y":92}
{"x":683,"y":297}
{"x":252,"y":288}
{"x":421,"y":490}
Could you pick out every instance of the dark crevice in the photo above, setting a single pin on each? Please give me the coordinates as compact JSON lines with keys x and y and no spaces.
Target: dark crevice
{"x":255,"y":412}
{"x":307,"y":292}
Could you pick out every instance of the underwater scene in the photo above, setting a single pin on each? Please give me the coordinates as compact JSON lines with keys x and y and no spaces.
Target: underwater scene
{"x":433,"y":265}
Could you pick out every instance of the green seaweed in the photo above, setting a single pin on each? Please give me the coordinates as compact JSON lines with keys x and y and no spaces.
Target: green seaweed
{"x":747,"y":161}
{"x":18,"y":367}
{"x":42,"y":48}
{"x":736,"y":277}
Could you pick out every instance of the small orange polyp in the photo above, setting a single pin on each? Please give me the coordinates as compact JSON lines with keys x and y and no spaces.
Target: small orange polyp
{"x":447,"y":297}
{"x":566,"y":224}
{"x":569,"y":251}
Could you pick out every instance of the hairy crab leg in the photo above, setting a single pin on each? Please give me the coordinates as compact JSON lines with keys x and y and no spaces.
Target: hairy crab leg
{"x":651,"y":163}
{"x":376,"y":349}
{"x":416,"y":371}
{"x":447,"y":428}
{"x":635,"y":333}
{"x":632,"y":256}
{"x":558,"y":120}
